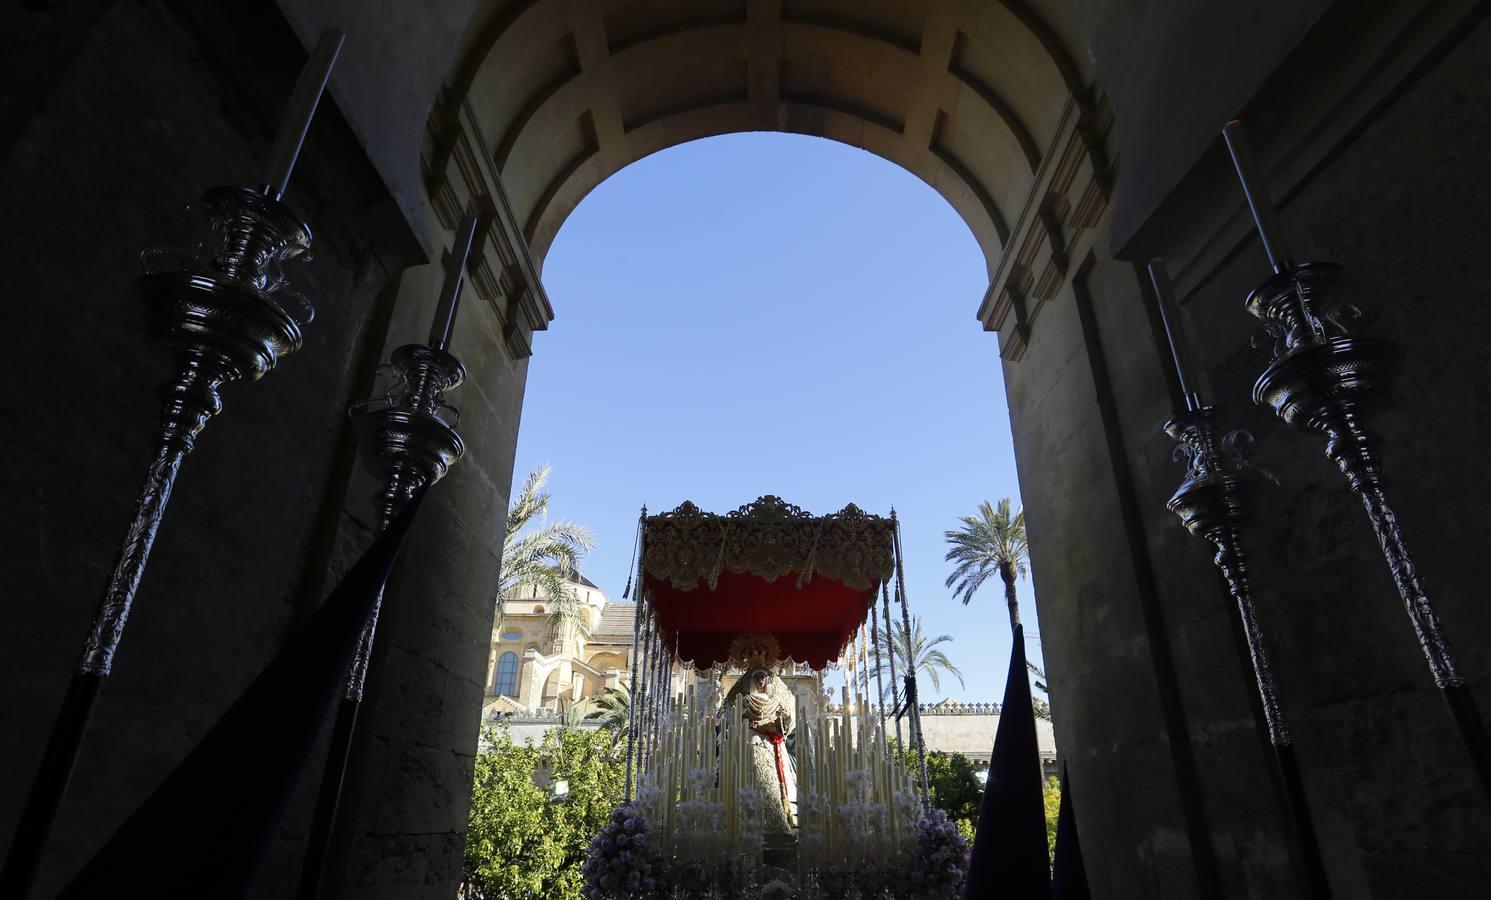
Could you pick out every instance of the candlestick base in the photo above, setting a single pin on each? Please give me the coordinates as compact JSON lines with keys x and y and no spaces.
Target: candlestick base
{"x":404,"y":440}
{"x":1219,"y":478}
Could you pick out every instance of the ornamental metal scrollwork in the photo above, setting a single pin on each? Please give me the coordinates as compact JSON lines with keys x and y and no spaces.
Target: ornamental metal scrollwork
{"x":768,"y":538}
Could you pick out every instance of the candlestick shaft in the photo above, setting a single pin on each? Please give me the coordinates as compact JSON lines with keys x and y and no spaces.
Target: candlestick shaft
{"x":308,"y":88}
{"x":1232,"y":563}
{"x":895,"y":689}
{"x":57,"y":764}
{"x":911,"y":701}
{"x":191,"y":399}
{"x":450,"y":293}
{"x":1264,"y":215}
{"x":1169,"y":312}
{"x":631,"y":706}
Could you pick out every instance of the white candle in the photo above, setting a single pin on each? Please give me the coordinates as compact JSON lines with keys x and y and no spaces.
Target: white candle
{"x":1264,"y":215}
{"x":1165,"y":300}
{"x":286,"y":149}
{"x":450,"y":292}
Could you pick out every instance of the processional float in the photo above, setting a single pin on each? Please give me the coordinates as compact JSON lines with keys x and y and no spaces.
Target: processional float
{"x":733,"y":778}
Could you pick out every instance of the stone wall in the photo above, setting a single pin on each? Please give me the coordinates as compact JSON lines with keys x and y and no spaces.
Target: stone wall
{"x":971,"y":733}
{"x":159,"y":103}
{"x":1173,"y":792}
{"x":153,"y":103}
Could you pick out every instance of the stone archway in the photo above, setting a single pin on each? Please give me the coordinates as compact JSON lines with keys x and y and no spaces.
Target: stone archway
{"x":987,"y":103}
{"x":997,"y":106}
{"x":1368,"y":130}
{"x":971,"y":98}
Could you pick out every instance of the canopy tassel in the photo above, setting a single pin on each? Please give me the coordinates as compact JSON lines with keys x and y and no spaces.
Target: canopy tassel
{"x":631,"y":705}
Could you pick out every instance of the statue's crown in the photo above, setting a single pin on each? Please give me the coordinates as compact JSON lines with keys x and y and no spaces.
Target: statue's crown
{"x":755,"y":650}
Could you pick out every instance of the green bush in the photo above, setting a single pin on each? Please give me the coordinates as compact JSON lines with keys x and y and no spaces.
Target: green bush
{"x":520,"y":842}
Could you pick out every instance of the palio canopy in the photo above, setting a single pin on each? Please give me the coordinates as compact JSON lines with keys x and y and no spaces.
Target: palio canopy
{"x":769,"y":568}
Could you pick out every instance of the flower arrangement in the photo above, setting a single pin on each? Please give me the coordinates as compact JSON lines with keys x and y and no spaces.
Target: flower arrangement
{"x":939,"y":859}
{"x":835,"y":881}
{"x":735,"y":878}
{"x":623,"y":862}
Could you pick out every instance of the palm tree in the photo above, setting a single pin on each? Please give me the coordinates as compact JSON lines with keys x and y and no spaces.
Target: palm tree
{"x":572,"y":712}
{"x":930,"y":661}
{"x":548,"y":555}
{"x":613,"y":710}
{"x":992,"y":541}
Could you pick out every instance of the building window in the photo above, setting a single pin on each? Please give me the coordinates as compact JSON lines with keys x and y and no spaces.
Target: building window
{"x":512,"y":634}
{"x":505,"y":680}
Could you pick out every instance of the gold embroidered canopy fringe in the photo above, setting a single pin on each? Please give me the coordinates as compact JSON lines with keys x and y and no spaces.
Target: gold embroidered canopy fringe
{"x":769,"y":538}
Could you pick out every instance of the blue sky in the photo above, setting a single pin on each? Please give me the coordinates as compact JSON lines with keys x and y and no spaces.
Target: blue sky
{"x":774,"y":314}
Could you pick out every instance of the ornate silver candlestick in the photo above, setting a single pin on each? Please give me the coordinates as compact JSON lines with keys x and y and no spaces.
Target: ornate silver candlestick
{"x":1320,"y":376}
{"x":408,"y":445}
{"x":408,"y":441}
{"x":1212,"y":503}
{"x":221,"y":308}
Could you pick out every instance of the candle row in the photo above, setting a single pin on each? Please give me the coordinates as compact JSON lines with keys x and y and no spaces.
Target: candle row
{"x":853,"y":800}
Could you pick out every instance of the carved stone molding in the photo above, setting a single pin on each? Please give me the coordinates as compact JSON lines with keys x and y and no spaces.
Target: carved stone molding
{"x":460,"y":174}
{"x":1056,"y":222}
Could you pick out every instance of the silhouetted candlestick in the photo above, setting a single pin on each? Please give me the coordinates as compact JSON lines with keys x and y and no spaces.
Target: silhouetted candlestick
{"x":450,"y":294}
{"x":1254,"y":188}
{"x":1165,"y":300}
{"x":298,"y":114}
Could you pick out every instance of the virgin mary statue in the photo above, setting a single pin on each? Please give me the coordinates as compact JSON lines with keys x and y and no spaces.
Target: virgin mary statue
{"x":770,"y":711}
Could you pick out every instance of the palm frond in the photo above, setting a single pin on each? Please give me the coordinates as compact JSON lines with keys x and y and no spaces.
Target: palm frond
{"x":916,"y":647}
{"x":984,"y":544}
{"x":544,"y":554}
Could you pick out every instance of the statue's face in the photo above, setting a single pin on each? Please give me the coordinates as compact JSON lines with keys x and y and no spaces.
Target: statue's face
{"x":760,"y":679}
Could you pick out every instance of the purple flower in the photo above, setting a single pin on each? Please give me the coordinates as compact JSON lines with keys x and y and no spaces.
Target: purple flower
{"x":938,"y":861}
{"x":621,"y":861}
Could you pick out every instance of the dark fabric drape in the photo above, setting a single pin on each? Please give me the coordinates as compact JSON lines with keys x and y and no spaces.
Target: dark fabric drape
{"x":1068,"y":876}
{"x":1010,"y":856}
{"x":206,"y":830}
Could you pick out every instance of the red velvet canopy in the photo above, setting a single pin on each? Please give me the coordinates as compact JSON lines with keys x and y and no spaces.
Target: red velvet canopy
{"x":811,"y":623}
{"x":767,"y":568}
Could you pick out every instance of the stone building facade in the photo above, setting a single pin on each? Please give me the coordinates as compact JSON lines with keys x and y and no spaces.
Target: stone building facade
{"x":969,"y":728}
{"x":534,"y":665}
